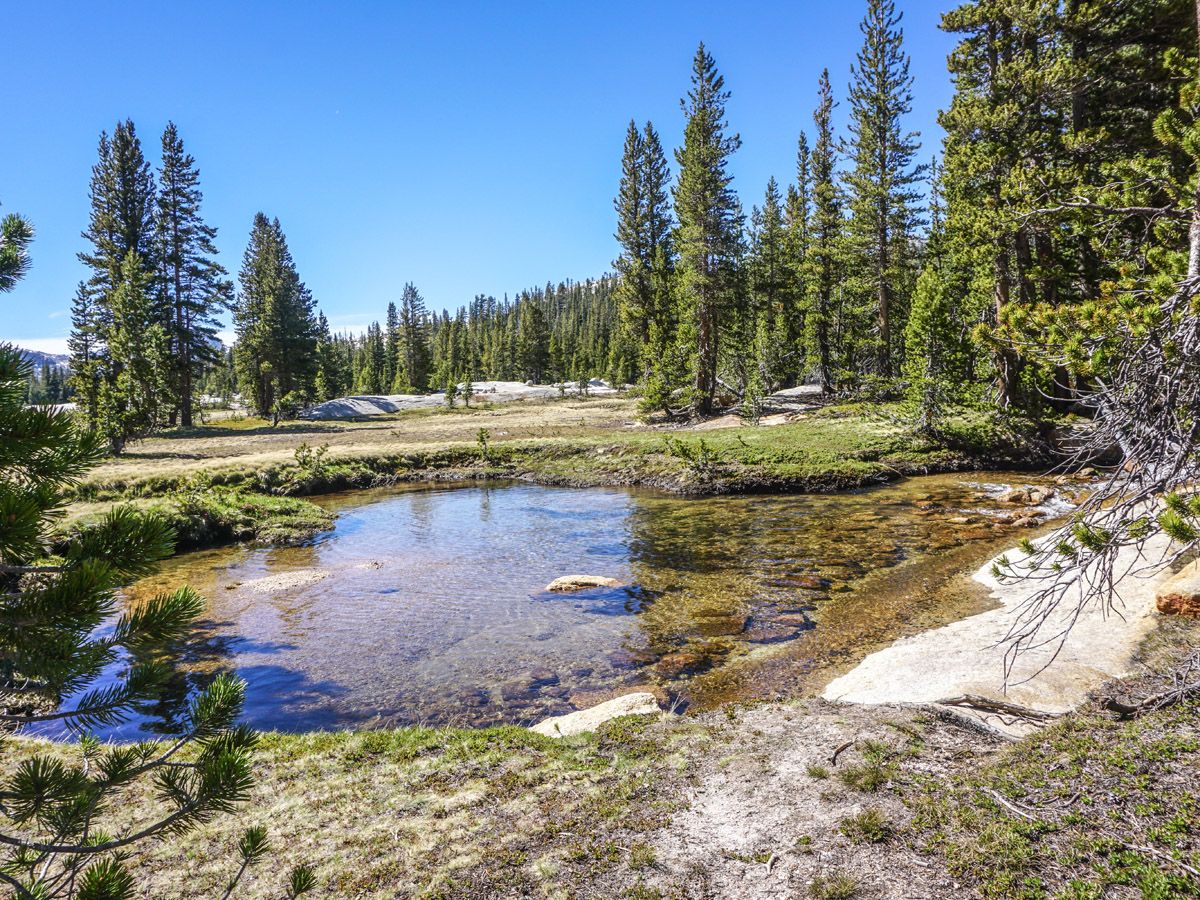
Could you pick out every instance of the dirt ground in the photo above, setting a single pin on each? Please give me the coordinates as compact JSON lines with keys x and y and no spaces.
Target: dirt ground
{"x":254,"y":442}
{"x":768,"y":817}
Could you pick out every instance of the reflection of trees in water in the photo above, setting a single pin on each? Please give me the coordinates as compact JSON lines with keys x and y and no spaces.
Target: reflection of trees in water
{"x":697,"y":536}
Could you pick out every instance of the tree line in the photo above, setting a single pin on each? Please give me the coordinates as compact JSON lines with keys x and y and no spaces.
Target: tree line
{"x":875,"y":272}
{"x":870,"y":273}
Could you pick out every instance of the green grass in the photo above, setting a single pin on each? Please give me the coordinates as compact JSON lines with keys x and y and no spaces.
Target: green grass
{"x":835,"y":886}
{"x":871,"y":826}
{"x":1101,"y":805}
{"x":833,"y":448}
{"x":877,"y":768}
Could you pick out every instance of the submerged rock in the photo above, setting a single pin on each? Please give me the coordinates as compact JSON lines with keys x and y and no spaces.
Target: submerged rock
{"x":720,"y":626}
{"x":640,"y":703}
{"x":1180,"y":594}
{"x":283,"y":581}
{"x":569,"y":583}
{"x":675,"y":664}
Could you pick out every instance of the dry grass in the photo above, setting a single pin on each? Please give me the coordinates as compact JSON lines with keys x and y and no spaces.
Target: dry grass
{"x":254,"y":443}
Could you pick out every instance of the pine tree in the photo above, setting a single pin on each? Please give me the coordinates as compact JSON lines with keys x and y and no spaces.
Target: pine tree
{"x":771,"y":284}
{"x":277,"y":332}
{"x":122,"y":212}
{"x":798,"y":213}
{"x":393,"y":366}
{"x":414,"y":339}
{"x":15,"y":236}
{"x":86,"y":360}
{"x":823,"y":266}
{"x":709,"y":233}
{"x":194,"y":284}
{"x":130,"y":401}
{"x":121,"y":232}
{"x":533,"y":342}
{"x":883,"y":201}
{"x":647,"y":260}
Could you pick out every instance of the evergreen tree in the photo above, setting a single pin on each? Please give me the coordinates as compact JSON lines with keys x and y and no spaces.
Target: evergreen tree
{"x":122,"y":213}
{"x":15,"y":236}
{"x":823,"y":265}
{"x":276,"y":330}
{"x":54,"y":834}
{"x":414,"y":339}
{"x":86,"y":360}
{"x":883,"y":202}
{"x":194,"y":284}
{"x":333,"y":369}
{"x":393,"y":367}
{"x":121,"y":233}
{"x":798,"y":212}
{"x":644,"y":231}
{"x":533,"y":342}
{"x":131,"y":397}
{"x":709,"y":233}
{"x":771,"y":283}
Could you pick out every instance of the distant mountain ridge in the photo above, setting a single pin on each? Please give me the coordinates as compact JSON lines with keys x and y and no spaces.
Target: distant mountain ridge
{"x":38,"y":359}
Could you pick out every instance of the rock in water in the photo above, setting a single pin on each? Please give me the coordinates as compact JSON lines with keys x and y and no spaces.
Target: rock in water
{"x":640,"y":704}
{"x":1180,"y":594}
{"x":581,"y":583}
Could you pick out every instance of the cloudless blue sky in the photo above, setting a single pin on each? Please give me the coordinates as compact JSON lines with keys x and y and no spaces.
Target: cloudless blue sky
{"x":468,"y":147}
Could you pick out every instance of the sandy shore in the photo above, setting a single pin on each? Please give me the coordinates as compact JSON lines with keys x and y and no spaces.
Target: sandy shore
{"x":967,"y":657}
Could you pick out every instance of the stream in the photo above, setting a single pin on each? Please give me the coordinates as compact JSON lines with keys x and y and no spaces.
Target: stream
{"x":427,"y":604}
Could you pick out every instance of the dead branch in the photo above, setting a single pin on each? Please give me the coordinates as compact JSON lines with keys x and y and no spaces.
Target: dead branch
{"x":1000,"y":707}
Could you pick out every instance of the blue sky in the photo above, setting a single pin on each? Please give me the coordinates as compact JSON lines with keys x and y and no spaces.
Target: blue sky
{"x":466,"y":147}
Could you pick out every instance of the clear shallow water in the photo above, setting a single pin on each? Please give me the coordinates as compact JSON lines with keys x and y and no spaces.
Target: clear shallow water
{"x":427,"y":604}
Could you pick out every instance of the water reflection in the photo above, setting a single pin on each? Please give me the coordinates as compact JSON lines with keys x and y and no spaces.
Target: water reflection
{"x":428,"y":603}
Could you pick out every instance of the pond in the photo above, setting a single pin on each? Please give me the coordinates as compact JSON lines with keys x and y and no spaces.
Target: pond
{"x":427,"y":604}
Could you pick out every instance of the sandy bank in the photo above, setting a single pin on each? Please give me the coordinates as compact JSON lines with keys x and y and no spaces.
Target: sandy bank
{"x":967,"y":657}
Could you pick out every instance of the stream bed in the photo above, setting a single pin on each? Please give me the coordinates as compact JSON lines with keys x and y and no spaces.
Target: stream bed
{"x":426,"y":604}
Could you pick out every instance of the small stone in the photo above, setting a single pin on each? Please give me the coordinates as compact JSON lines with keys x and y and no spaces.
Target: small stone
{"x":1179,"y":595}
{"x":568,"y":583}
{"x":516,"y":691}
{"x":809,"y":582}
{"x":769,"y":634}
{"x":630,"y":659}
{"x":590,"y":698}
{"x":959,"y":520}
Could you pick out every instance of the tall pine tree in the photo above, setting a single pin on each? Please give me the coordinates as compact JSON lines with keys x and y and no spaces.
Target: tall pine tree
{"x":883,"y":200}
{"x":823,"y":266}
{"x":709,"y":232}
{"x":195,"y":287}
{"x":276,"y":329}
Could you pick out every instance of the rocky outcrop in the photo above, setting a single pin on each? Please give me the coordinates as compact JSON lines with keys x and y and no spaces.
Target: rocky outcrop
{"x":1180,"y":594}
{"x":568,"y":583}
{"x":641,"y":703}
